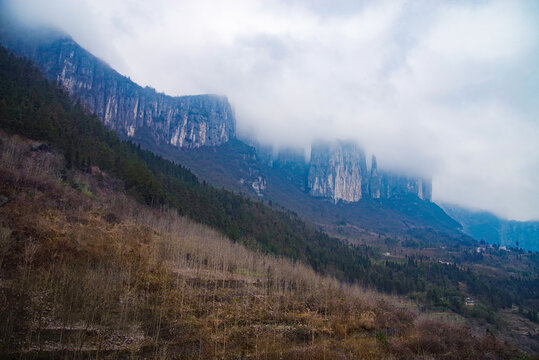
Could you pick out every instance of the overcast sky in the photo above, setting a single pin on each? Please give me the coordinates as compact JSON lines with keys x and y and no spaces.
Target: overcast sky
{"x":447,"y":89}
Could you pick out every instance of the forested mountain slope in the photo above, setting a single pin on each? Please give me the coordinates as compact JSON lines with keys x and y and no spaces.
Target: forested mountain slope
{"x":199,"y":132}
{"x":34,"y":107}
{"x":88,"y":272}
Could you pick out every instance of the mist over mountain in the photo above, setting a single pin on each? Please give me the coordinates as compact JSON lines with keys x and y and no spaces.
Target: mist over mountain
{"x":336,"y":186}
{"x":485,"y":226}
{"x":138,"y":223}
{"x":440,"y":90}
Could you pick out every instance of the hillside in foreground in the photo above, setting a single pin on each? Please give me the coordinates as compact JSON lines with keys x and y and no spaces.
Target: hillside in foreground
{"x":80,"y":167}
{"x":86,"y":271}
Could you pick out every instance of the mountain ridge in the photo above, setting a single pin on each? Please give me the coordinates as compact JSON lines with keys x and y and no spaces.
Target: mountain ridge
{"x":123,"y":105}
{"x":250,"y":174}
{"x":187,"y":121}
{"x":84,"y":143}
{"x":486,"y":226}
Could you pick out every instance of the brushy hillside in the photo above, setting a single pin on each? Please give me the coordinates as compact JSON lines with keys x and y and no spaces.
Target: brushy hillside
{"x":86,"y":271}
{"x":36,"y":108}
{"x":32,"y":106}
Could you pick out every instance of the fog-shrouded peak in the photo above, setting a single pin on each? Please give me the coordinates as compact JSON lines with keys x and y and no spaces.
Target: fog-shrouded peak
{"x":444,"y":90}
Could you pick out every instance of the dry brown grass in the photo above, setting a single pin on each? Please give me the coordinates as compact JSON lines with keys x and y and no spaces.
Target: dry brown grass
{"x":90,"y":272}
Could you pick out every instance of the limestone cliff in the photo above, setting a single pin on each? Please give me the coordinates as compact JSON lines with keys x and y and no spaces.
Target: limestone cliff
{"x":393,"y":185}
{"x":374,"y":180}
{"x":124,"y":106}
{"x":338,"y":171}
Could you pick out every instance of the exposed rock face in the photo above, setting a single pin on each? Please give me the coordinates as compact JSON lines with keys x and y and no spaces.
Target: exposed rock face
{"x":338,"y":171}
{"x":259,"y":185}
{"x":426,"y":188}
{"x":127,"y":108}
{"x":393,"y":185}
{"x":374,"y":181}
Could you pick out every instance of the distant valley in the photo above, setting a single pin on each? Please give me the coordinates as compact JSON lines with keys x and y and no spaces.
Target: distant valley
{"x":485,"y":226}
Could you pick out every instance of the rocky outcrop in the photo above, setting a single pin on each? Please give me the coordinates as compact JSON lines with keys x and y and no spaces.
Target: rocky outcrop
{"x":338,"y":171}
{"x":131,"y":110}
{"x":393,"y":185}
{"x":374,"y":180}
{"x":259,"y":185}
{"x":426,"y":190}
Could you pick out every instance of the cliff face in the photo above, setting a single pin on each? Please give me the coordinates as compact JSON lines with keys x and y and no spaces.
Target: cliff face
{"x":338,"y":171}
{"x":375,"y":182}
{"x":127,"y":108}
{"x":393,"y":185}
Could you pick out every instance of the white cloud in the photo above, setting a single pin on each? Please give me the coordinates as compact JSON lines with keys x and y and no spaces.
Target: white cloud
{"x":443,"y":89}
